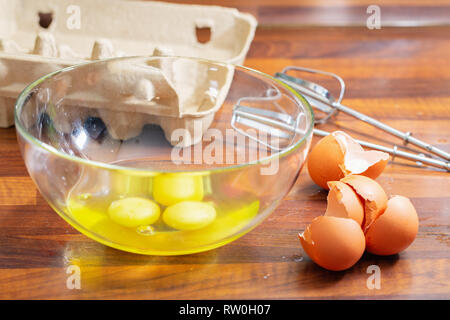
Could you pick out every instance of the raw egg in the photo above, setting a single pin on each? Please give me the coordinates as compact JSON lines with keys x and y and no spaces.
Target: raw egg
{"x":338,"y":155}
{"x":395,"y":229}
{"x":189,"y":215}
{"x":171,"y":188}
{"x":133,"y":212}
{"x":333,"y":243}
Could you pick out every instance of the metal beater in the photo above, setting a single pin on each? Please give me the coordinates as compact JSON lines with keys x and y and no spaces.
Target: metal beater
{"x":283,"y":125}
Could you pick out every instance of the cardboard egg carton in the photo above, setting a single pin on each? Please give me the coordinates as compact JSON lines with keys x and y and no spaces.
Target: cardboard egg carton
{"x":129,"y":93}
{"x":112,"y":28}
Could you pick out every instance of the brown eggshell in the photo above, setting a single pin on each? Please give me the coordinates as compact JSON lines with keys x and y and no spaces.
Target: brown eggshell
{"x":369,"y":163}
{"x":375,"y":199}
{"x":338,"y":155}
{"x":374,"y":171}
{"x":343,"y":202}
{"x":395,"y":229}
{"x":333,"y":243}
{"x":324,"y":160}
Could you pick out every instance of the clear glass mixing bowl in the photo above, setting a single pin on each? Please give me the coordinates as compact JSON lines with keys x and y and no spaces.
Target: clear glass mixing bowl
{"x":142,"y":154}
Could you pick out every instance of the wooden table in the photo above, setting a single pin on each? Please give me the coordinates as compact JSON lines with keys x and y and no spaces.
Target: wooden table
{"x":398,"y":75}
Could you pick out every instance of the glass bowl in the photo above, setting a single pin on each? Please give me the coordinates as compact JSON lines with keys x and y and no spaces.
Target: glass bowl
{"x":142,"y":153}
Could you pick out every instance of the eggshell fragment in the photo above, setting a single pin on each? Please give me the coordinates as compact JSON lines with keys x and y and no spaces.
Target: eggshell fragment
{"x":333,"y":243}
{"x":395,"y":229}
{"x":358,"y":161}
{"x":375,"y":170}
{"x":338,"y":155}
{"x":343,"y":202}
{"x":324,"y":160}
{"x":375,"y":198}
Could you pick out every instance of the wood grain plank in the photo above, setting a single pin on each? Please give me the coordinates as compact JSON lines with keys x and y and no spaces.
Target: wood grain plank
{"x":309,"y":3}
{"x":360,"y":68}
{"x":398,"y":75}
{"x":197,"y":281}
{"x":17,"y":191}
{"x":338,"y":13}
{"x":353,"y":16}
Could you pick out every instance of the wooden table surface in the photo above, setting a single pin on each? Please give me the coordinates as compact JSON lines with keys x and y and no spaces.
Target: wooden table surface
{"x":400,"y":75}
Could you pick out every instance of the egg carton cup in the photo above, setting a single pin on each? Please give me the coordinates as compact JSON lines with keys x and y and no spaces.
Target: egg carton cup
{"x":109,"y":29}
{"x":128,"y":94}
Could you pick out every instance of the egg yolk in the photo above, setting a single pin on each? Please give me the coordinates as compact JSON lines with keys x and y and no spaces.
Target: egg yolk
{"x":171,"y":188}
{"x":133,"y":212}
{"x":189,"y":215}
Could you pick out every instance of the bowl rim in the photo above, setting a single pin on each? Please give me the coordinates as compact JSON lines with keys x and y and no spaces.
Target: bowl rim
{"x":21,"y":100}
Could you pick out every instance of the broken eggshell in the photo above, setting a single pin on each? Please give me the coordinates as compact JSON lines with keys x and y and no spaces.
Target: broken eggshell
{"x":343,"y":202}
{"x":333,"y":243}
{"x":338,"y":155}
{"x":395,"y":229}
{"x":373,"y":195}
